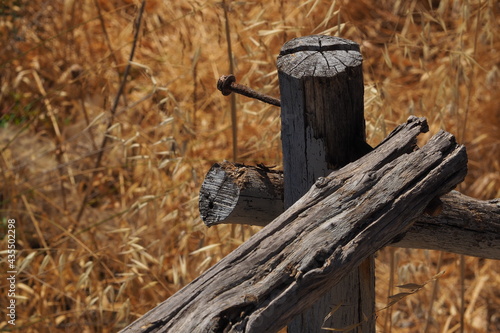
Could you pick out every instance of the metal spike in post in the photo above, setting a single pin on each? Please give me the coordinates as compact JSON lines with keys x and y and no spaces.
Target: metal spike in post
{"x":227,"y":84}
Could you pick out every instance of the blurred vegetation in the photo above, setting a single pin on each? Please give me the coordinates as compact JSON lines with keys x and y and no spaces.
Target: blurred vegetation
{"x":106,"y":232}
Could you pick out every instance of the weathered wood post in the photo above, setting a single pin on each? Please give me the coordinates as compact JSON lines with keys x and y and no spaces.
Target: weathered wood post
{"x":323,"y":129}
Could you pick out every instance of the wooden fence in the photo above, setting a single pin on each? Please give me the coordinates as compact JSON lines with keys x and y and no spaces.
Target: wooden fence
{"x":335,"y":204}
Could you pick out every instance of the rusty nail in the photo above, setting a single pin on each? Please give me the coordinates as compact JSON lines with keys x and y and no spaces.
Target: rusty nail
{"x":227,"y":84}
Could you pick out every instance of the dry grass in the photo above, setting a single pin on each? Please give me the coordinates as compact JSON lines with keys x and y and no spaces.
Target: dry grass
{"x":139,"y":238}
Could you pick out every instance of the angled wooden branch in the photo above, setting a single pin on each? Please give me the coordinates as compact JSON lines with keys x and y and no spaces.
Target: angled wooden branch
{"x":343,"y":219}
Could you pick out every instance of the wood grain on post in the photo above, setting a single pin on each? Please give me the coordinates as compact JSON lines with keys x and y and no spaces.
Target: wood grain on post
{"x":323,"y":129}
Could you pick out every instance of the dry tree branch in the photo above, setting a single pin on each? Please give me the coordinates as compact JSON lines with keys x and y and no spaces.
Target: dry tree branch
{"x":108,"y":41}
{"x":234,"y":125}
{"x":113,"y":110}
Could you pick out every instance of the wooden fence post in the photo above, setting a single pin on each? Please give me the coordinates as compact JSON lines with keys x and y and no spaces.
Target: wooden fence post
{"x":323,"y":129}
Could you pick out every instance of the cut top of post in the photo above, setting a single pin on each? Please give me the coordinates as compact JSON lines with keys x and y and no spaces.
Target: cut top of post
{"x":330,"y":56}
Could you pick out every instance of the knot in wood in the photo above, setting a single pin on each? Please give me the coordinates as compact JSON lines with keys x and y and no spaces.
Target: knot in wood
{"x":321,"y":182}
{"x":224,"y":84}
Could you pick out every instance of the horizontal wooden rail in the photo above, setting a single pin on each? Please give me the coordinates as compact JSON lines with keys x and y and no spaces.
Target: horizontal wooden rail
{"x":458,"y":224}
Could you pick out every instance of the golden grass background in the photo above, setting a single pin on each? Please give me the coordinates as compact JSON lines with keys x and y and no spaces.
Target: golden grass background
{"x":139,"y":237}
